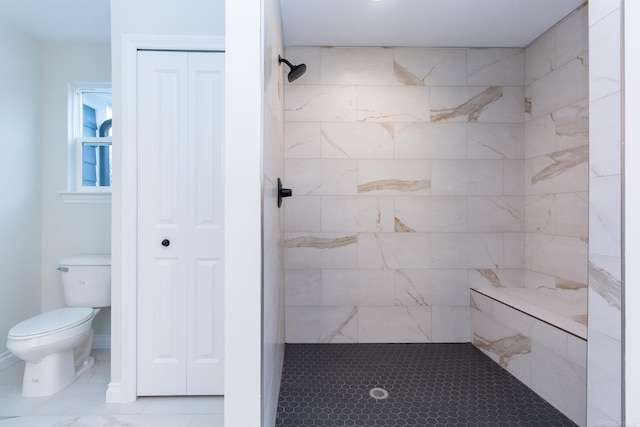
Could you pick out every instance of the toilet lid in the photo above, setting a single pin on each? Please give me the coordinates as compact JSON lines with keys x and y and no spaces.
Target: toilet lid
{"x":52,"y":321}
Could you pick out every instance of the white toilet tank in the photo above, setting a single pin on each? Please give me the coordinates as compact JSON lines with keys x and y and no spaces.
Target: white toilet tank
{"x":86,"y":280}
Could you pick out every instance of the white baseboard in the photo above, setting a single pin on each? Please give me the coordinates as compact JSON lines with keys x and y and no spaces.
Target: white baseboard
{"x":101,"y":342}
{"x":115,"y":394}
{"x":7,"y":359}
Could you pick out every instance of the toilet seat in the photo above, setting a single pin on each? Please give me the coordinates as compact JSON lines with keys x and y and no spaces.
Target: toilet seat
{"x":50,"y":322}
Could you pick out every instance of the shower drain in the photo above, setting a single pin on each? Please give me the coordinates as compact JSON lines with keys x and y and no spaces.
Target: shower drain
{"x":378,"y":393}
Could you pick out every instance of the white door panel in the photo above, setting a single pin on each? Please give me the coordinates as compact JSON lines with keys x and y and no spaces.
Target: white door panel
{"x":180,"y":282}
{"x":206,"y":232}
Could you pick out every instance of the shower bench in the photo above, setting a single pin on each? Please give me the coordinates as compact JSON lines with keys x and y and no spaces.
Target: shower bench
{"x":538,"y":338}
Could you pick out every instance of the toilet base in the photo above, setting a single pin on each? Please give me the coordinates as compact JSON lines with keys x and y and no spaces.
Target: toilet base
{"x":57,"y":371}
{"x":54,"y":373}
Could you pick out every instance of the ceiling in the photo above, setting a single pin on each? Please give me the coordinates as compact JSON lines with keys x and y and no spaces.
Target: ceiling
{"x":61,"y":20}
{"x":439,"y":23}
{"x":427,"y":23}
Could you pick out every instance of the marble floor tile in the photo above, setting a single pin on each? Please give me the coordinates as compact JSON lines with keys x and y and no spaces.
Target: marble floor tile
{"x":183,"y":405}
{"x":82,"y":404}
{"x":116,"y":420}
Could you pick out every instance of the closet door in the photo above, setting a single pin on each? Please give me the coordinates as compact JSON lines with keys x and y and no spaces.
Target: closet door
{"x":205,"y":227}
{"x":180,"y":223}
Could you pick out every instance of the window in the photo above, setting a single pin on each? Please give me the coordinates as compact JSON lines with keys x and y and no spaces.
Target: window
{"x":91,"y":137}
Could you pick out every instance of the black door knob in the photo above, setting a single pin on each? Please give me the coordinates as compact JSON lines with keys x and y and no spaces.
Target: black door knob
{"x":166,"y":242}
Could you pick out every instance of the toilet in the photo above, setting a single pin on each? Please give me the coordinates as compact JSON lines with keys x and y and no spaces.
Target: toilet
{"x":56,"y":344}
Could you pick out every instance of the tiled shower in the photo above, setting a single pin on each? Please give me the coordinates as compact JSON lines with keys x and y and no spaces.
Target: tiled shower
{"x":418,"y":173}
{"x":421,"y":172}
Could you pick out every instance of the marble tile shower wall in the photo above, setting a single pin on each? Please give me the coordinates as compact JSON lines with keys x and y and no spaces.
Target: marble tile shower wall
{"x":407,"y":167}
{"x":605,"y":213}
{"x":557,"y":159}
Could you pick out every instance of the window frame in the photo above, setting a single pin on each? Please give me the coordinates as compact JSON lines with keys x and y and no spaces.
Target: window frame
{"x":78,"y":161}
{"x":76,"y":190}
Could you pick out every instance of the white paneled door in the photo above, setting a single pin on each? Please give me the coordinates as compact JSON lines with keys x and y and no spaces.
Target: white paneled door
{"x":180,"y":223}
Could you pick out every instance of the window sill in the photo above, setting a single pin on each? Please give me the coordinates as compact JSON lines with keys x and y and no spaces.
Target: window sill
{"x":87,"y":197}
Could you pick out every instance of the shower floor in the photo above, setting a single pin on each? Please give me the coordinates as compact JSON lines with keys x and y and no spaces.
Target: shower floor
{"x":428,"y":384}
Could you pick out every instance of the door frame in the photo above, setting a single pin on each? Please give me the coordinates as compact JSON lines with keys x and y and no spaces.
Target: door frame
{"x":123,"y":386}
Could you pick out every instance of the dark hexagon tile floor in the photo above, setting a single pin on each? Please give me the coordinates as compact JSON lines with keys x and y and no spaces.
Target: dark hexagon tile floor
{"x":428,"y":384}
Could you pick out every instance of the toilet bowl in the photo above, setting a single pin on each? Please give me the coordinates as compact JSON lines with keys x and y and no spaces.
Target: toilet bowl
{"x":56,"y":344}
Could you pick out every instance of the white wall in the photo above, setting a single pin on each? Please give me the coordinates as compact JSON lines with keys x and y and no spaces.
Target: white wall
{"x":243,"y":170}
{"x":35,"y":87}
{"x":148,"y":18}
{"x":273,"y":218}
{"x":68,"y":228}
{"x":243,"y":212}
{"x":20,"y":178}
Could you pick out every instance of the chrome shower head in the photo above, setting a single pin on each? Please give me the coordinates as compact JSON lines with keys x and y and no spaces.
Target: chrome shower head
{"x":296,"y":70}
